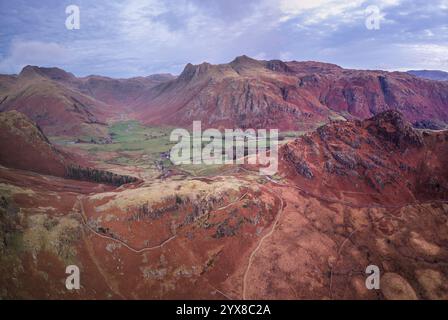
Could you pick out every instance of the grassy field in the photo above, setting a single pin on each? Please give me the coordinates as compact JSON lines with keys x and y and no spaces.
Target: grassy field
{"x":133,"y":144}
{"x":136,"y":145}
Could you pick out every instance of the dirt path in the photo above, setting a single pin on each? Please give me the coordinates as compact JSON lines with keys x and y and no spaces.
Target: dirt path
{"x":111,"y":283}
{"x":104,"y":236}
{"x":232,"y":203}
{"x":260,"y":243}
{"x":84,"y":221}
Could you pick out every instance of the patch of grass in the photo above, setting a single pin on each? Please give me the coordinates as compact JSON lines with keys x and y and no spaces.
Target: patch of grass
{"x":203,"y":169}
{"x":291,"y":134}
{"x":133,"y":143}
{"x":133,"y":136}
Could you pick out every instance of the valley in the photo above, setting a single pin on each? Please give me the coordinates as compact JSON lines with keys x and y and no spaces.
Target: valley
{"x":86,"y":180}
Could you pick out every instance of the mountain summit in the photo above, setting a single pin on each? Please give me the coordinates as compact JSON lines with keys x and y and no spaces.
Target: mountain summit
{"x":288,"y":95}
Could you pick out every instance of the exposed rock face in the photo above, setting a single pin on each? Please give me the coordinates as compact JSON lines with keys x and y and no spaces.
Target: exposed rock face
{"x":9,"y":223}
{"x":428,"y":124}
{"x":288,"y":95}
{"x":243,"y":93}
{"x":380,"y":154}
{"x":392,"y":127}
{"x":300,"y":165}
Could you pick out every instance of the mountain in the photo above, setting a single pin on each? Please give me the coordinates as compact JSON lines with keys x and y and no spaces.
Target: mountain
{"x":243,"y":93}
{"x":44,"y":96}
{"x":287,"y":95}
{"x":383,"y":155}
{"x":64,"y":105}
{"x":348,"y":195}
{"x":24,"y":146}
{"x":355,"y":194}
{"x":120,"y":93}
{"x":430,"y":74}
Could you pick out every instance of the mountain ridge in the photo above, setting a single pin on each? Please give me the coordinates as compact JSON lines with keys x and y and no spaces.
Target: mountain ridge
{"x":430,"y":74}
{"x":246,"y":92}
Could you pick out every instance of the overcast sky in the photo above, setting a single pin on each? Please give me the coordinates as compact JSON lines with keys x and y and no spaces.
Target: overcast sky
{"x":142,"y":37}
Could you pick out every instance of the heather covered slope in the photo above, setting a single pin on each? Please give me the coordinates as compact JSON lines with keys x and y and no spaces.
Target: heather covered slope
{"x":54,"y":106}
{"x":382,"y":158}
{"x":305,"y":233}
{"x":288,"y":95}
{"x":24,"y":146}
{"x":64,"y":105}
{"x":358,"y":193}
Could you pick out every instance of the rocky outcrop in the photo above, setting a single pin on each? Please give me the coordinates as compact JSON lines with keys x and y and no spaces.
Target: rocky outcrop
{"x":244,"y":93}
{"x":383,"y":154}
{"x":392,"y":127}
{"x":288,"y":95}
{"x":300,"y":166}
{"x":428,"y":124}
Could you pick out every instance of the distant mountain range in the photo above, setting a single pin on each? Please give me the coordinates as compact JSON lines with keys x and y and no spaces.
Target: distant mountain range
{"x":430,"y":74}
{"x":243,"y":93}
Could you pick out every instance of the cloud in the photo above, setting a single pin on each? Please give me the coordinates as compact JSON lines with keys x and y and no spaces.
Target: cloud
{"x":139,"y":37}
{"x":313,"y":12}
{"x":426,"y":56}
{"x":322,"y":8}
{"x":24,"y":53}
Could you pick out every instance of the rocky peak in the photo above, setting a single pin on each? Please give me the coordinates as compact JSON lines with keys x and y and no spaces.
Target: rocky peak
{"x":278,"y":65}
{"x":245,"y":62}
{"x":194,"y":71}
{"x":30,"y":72}
{"x":51,"y":73}
{"x":391,"y":126}
{"x":243,"y":59}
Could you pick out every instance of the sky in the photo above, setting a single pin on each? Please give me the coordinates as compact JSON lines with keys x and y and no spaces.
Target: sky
{"x":142,"y":37}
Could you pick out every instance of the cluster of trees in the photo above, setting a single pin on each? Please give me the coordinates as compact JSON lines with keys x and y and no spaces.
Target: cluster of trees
{"x":100,"y":176}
